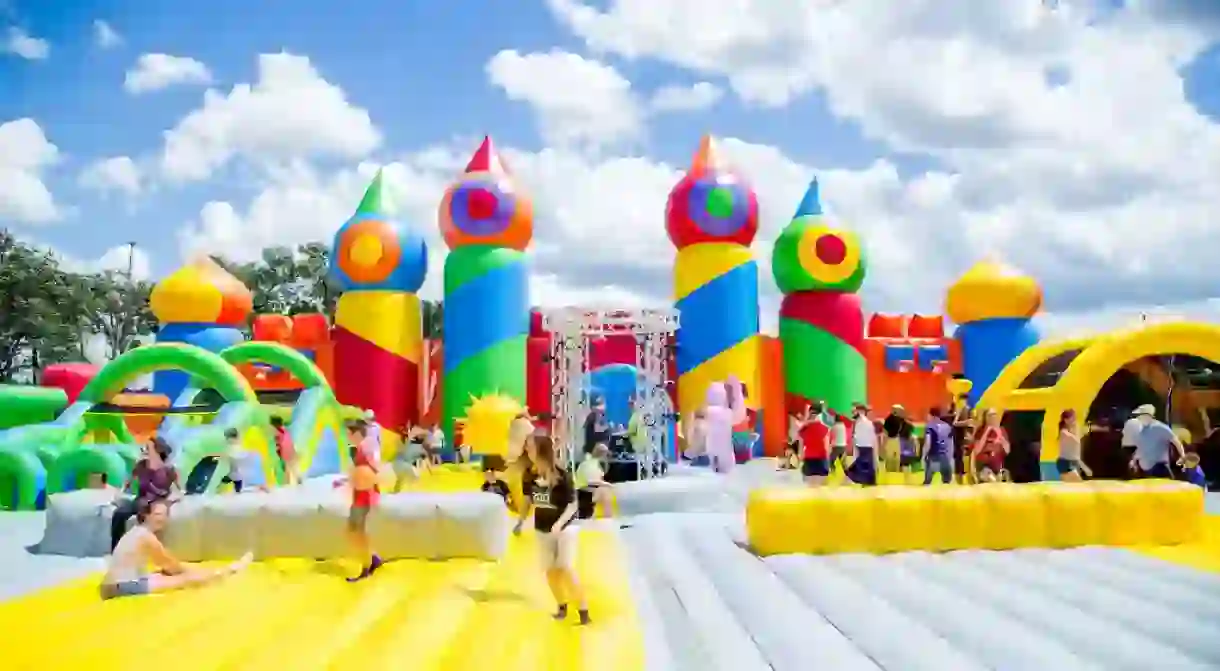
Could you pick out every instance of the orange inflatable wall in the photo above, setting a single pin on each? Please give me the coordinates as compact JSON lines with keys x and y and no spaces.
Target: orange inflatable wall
{"x":309,"y":333}
{"x":905,"y":363}
{"x":774,"y":419}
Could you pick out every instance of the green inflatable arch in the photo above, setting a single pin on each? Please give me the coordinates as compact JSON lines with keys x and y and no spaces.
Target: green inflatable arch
{"x":278,"y":355}
{"x":197,"y":362}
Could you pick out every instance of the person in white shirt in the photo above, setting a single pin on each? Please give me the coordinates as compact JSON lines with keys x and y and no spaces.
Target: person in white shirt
{"x":1131,"y":435}
{"x":127,"y":573}
{"x":863,"y":469}
{"x":838,"y":441}
{"x":374,"y":433}
{"x":591,"y":486}
{"x":235,"y":457}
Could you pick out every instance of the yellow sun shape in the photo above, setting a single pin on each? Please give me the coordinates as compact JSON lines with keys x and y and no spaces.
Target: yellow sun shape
{"x":486,"y":424}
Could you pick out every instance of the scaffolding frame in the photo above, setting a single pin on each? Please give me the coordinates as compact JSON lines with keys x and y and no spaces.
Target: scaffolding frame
{"x":571,"y":329}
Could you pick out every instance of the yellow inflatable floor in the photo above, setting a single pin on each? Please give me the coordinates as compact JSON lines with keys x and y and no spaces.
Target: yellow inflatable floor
{"x":1203,"y":555}
{"x":303,"y":615}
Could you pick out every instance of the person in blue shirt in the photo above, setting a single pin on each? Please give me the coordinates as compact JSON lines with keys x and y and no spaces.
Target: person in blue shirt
{"x":1152,"y":446}
{"x":1192,"y":472}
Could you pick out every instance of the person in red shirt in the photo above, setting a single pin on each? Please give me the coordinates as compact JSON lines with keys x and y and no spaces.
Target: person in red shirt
{"x":365,"y":494}
{"x":991,"y":448}
{"x":285,"y":450}
{"x":815,"y":437}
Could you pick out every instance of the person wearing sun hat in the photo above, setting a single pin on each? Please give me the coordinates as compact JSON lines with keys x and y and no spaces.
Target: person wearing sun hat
{"x":1152,"y":446}
{"x":863,"y":468}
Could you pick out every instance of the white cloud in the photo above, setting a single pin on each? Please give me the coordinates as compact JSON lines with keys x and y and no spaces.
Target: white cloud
{"x":20,"y":43}
{"x":105,"y":36}
{"x":264,"y":121}
{"x":154,"y":72}
{"x":25,"y":153}
{"x":693,"y":98}
{"x":118,"y":173}
{"x":578,"y":101}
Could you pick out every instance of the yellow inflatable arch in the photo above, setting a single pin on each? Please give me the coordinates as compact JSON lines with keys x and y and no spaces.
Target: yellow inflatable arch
{"x":1097,"y":360}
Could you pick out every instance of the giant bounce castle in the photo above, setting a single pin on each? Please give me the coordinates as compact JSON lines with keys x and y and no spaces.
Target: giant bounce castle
{"x":689,"y":568}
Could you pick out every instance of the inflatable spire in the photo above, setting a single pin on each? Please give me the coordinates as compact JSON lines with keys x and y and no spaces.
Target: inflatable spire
{"x":487,"y":222}
{"x":378,"y":334}
{"x":819,"y":269}
{"x":711,"y":218}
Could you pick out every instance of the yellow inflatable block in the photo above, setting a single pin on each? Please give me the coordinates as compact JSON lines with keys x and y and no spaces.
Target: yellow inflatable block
{"x":1016,"y":517}
{"x":904,"y":519}
{"x":1124,"y":513}
{"x":829,"y":520}
{"x":1071,"y":515}
{"x":961,"y":522}
{"x":1176,"y":510}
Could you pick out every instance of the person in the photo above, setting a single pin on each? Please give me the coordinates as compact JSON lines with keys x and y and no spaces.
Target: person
{"x":152,"y":478}
{"x":549,"y":493}
{"x":991,"y":448}
{"x":815,"y":437}
{"x":127,"y":572}
{"x":864,"y":436}
{"x":637,"y":429}
{"x":839,"y":432}
{"x":435,"y":442}
{"x":520,"y":434}
{"x":696,"y":435}
{"x":937,"y":448}
{"x":493,"y":481}
{"x":1070,"y":463}
{"x":365,"y":495}
{"x":893,"y":425}
{"x":597,"y":427}
{"x":100,"y":481}
{"x":1151,"y":458}
{"x":792,"y":451}
{"x":1192,"y":470}
{"x":963,"y":426}
{"x":235,"y":457}
{"x":1131,"y":433}
{"x":285,"y":449}
{"x":591,"y":486}
{"x":373,"y":432}
{"x":408,"y":457}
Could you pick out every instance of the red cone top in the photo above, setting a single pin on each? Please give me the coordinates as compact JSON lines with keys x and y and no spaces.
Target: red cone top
{"x":487,"y":159}
{"x":707,"y":159}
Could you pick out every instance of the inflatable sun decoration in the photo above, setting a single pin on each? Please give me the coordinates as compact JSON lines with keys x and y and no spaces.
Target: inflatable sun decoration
{"x":486,"y":424}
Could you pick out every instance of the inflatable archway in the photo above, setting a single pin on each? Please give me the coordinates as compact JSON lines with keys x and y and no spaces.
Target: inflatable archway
{"x":147,"y":359}
{"x":1092,"y":364}
{"x":278,"y":355}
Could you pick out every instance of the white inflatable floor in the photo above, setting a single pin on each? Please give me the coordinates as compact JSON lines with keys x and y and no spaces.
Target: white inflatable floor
{"x":707,"y":603}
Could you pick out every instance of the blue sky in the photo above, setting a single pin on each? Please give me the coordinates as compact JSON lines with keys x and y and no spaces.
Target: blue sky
{"x":421,"y":70}
{"x":418,"y":67}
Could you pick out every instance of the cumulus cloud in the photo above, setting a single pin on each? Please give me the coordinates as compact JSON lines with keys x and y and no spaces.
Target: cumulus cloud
{"x":693,"y":98}
{"x":118,"y":173}
{"x":25,"y":154}
{"x":262,"y":121}
{"x":20,"y":43}
{"x":578,"y":101}
{"x":105,"y":36}
{"x":154,"y":72}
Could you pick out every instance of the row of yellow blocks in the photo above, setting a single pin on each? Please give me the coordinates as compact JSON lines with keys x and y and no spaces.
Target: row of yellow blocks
{"x":993,"y":516}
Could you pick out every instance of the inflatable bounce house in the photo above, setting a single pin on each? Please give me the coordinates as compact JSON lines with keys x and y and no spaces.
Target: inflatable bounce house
{"x":1113,"y":575}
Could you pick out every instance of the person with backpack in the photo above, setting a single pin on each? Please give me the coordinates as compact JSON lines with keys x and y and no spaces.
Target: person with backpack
{"x":938,"y":448}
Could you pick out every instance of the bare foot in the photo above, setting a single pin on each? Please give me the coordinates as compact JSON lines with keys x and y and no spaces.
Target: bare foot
{"x":241,"y":564}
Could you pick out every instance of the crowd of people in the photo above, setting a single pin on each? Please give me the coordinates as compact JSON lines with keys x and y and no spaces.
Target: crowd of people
{"x":957,"y":448}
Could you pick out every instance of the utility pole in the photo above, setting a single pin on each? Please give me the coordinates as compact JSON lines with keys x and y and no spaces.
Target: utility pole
{"x":131,"y":259}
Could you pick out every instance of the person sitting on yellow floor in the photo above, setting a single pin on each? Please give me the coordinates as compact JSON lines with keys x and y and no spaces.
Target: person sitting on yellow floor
{"x":591,"y":486}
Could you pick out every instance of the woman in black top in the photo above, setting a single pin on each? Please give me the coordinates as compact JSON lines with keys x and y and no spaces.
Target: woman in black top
{"x":597,"y":429}
{"x":548,"y":490}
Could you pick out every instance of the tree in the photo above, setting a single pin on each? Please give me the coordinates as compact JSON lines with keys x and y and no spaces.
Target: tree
{"x":119,"y":310}
{"x":38,"y":309}
{"x":288,"y":280}
{"x":433,"y":319}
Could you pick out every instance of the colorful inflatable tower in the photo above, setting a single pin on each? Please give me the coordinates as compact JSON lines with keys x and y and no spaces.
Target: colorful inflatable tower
{"x":711,"y":218}
{"x":378,"y":336}
{"x":819,"y":269}
{"x":199,"y":304}
{"x":487,"y":224}
{"x":992,"y":305}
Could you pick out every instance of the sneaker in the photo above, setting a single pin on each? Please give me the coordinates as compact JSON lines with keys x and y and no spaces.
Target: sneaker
{"x":584,"y":616}
{"x":561,"y":612}
{"x":374,"y":564}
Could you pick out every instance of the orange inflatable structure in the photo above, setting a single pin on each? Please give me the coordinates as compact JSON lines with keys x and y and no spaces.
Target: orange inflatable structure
{"x":307,"y":333}
{"x":909,"y":362}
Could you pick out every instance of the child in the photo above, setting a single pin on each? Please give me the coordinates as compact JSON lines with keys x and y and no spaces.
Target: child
{"x":1192,"y":472}
{"x":285,"y":450}
{"x":235,"y":455}
{"x":408,"y":457}
{"x":591,"y":486}
{"x":365,"y":494}
{"x":493,"y":483}
{"x":792,"y":451}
